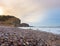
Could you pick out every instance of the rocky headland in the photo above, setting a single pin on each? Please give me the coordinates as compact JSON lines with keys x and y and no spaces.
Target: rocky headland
{"x":12,"y":21}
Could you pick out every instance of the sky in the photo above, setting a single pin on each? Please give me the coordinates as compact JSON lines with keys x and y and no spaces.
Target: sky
{"x":33,"y":12}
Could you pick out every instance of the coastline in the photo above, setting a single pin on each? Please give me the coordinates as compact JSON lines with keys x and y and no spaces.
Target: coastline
{"x":41,"y":37}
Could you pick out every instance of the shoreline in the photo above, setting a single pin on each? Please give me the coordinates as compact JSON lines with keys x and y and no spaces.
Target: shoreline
{"x":39,"y":37}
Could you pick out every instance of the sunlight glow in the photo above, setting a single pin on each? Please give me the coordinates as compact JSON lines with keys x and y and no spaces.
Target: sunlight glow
{"x":1,"y":11}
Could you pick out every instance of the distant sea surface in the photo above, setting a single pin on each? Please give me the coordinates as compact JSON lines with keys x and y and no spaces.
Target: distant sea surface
{"x":45,"y":29}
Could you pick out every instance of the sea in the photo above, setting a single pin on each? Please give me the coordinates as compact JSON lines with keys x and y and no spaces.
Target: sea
{"x":54,"y":30}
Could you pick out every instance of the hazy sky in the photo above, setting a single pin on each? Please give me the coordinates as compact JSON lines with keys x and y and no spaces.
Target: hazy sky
{"x":34,"y":12}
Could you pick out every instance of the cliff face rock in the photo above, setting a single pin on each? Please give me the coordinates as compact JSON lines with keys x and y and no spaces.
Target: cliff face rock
{"x":9,"y":21}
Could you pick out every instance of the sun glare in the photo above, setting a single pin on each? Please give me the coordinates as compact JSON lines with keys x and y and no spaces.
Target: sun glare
{"x":1,"y":11}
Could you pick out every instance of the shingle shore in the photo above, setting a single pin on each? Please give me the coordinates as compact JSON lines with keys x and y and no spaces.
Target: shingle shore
{"x":13,"y":36}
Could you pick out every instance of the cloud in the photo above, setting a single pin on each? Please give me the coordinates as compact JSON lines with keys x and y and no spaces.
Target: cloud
{"x":32,"y":10}
{"x":18,"y":8}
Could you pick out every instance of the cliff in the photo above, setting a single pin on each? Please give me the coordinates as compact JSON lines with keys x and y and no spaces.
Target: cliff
{"x":7,"y":20}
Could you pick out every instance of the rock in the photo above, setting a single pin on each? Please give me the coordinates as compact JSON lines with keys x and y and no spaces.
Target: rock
{"x":24,"y":25}
{"x":12,"y":21}
{"x":6,"y":20}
